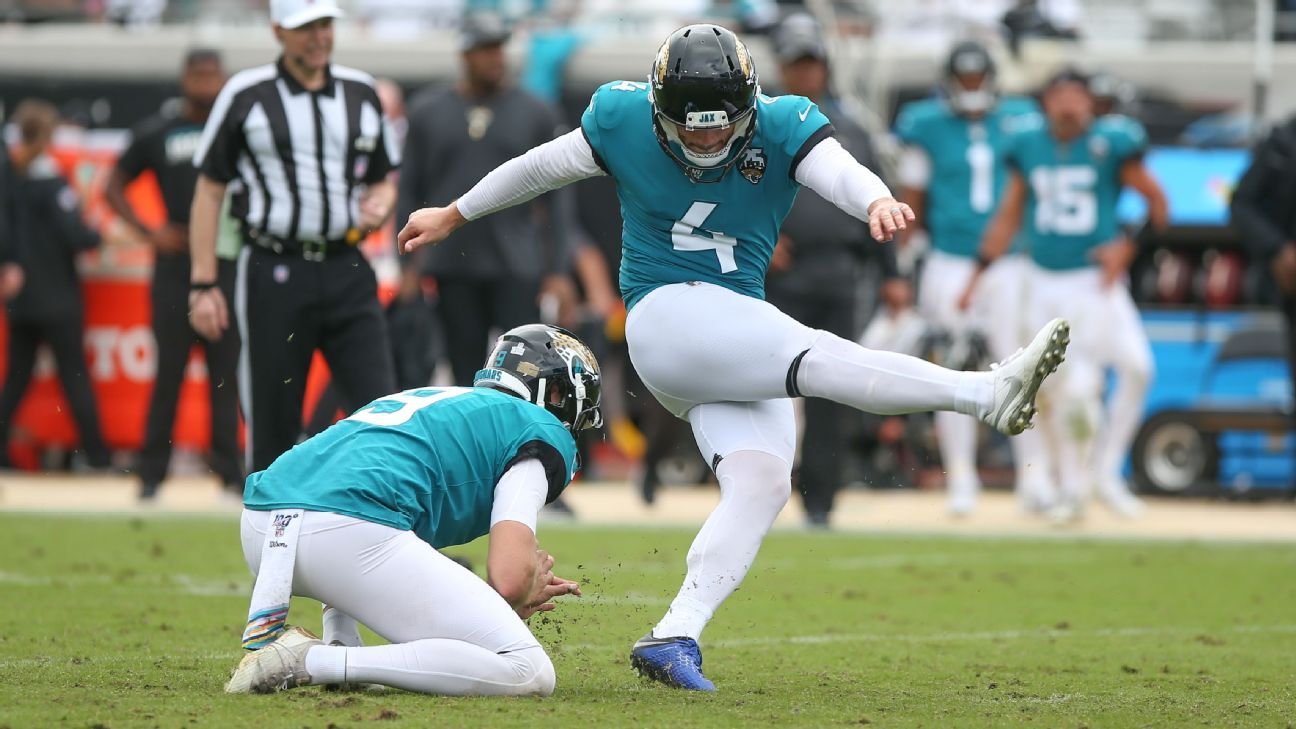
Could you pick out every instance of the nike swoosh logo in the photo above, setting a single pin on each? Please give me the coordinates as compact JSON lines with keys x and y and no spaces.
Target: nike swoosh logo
{"x":804,"y":113}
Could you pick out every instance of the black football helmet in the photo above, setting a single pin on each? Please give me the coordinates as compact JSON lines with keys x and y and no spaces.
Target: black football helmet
{"x":703,"y":78}
{"x":966,"y":59}
{"x":548,"y":366}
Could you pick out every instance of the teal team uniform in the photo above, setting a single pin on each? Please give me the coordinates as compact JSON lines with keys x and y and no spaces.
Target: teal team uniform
{"x":967,"y":166}
{"x":676,"y":230}
{"x":1073,"y":187}
{"x":425,"y":460}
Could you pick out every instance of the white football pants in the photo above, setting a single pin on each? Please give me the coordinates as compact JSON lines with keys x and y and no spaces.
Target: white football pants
{"x":728,"y":364}
{"x":1090,"y":442}
{"x":450,"y":633}
{"x":999,"y":311}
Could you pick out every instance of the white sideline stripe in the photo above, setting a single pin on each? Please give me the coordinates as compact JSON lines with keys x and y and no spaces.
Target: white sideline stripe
{"x":185,"y":584}
{"x":964,"y":636}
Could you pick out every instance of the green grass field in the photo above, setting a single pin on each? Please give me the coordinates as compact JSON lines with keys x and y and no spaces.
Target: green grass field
{"x":125,"y":622}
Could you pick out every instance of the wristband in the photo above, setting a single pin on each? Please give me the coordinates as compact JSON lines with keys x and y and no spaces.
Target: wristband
{"x":983,"y":262}
{"x":207,"y":286}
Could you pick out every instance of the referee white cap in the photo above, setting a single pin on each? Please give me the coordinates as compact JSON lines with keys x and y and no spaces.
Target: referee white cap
{"x":291,"y":14}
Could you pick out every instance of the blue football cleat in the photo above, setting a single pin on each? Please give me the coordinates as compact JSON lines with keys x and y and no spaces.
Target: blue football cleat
{"x":673,"y":661}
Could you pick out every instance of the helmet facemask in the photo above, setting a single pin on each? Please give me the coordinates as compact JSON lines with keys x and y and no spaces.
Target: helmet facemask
{"x":703,"y":78}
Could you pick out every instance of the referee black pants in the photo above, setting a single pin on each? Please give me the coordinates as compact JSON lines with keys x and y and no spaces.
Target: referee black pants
{"x":286,"y":308}
{"x":66,"y":337}
{"x":175,"y":338}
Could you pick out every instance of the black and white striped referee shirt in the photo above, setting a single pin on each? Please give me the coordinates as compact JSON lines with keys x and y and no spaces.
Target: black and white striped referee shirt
{"x":303,"y":156}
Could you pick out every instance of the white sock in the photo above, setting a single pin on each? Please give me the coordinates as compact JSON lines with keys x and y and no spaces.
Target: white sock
{"x":754,"y":486}
{"x":887,"y":383}
{"x":326,"y":664}
{"x":436,"y":666}
{"x":341,"y":628}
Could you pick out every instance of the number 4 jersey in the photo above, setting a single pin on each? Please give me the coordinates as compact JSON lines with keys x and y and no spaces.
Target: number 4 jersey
{"x":425,"y":460}
{"x":676,"y":230}
{"x":1072,"y":188}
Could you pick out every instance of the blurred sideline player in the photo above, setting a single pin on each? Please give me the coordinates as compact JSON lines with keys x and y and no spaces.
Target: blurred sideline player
{"x":952,"y":173}
{"x":706,"y":169}
{"x":1067,"y":173}
{"x":355,"y":516}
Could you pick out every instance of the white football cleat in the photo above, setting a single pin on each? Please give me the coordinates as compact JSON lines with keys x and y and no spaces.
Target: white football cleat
{"x":278,"y":666}
{"x":1017,"y":378}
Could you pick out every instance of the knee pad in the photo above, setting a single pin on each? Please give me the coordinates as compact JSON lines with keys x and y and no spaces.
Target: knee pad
{"x":759,"y":477}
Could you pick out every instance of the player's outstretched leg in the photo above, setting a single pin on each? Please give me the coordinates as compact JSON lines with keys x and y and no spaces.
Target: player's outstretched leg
{"x":888,"y":383}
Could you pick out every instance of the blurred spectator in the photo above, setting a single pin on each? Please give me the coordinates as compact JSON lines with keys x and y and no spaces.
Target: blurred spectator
{"x":1042,"y":19}
{"x":489,"y":274}
{"x":164,"y":145}
{"x":135,"y":13}
{"x":43,"y":234}
{"x":1264,"y":213}
{"x":406,"y":19}
{"x":816,"y":271}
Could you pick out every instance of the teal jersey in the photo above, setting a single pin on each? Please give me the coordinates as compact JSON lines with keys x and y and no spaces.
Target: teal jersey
{"x":675,"y":230}
{"x":425,"y":460}
{"x":1073,"y":188}
{"x":968,"y":173}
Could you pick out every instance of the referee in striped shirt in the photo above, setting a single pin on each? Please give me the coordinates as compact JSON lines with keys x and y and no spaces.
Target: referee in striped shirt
{"x":311,"y":148}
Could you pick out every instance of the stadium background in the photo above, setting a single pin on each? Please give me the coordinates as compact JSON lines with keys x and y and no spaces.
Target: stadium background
{"x":1204,"y":88}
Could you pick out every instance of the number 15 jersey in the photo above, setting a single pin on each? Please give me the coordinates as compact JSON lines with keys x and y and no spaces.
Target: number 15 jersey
{"x":676,"y":230}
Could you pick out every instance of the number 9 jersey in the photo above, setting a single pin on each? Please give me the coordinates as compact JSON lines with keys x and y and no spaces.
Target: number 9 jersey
{"x":424,"y":460}
{"x":1072,"y":188}
{"x":720,"y":228}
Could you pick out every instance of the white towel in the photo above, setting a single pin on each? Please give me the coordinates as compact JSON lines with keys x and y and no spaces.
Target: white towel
{"x":268,"y":614}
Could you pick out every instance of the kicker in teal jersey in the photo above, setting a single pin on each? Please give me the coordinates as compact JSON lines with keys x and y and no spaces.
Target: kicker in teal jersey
{"x":967,"y":166}
{"x":1073,"y":187}
{"x":425,"y":460}
{"x":720,"y":227}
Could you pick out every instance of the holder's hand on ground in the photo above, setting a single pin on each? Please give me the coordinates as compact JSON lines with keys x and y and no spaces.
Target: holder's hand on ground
{"x":429,"y":226}
{"x":542,"y":600}
{"x":887,"y":216}
{"x":208,"y":313}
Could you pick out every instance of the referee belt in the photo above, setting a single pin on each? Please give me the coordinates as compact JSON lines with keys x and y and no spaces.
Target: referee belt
{"x":310,"y":249}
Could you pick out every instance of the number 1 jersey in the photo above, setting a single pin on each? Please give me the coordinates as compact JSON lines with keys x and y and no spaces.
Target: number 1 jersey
{"x":425,"y":460}
{"x":676,"y":230}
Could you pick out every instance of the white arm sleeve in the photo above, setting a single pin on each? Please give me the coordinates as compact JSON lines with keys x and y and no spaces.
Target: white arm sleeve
{"x":520,"y":493}
{"x":553,"y":164}
{"x":832,"y":172}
